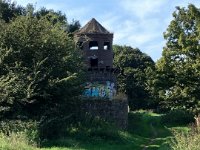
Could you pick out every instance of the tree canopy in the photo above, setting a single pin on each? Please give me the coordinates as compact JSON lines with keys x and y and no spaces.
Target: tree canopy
{"x":39,"y":65}
{"x":10,"y":10}
{"x":177,"y":80}
{"x":133,"y":64}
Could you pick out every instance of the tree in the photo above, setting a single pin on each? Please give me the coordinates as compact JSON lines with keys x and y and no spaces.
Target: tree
{"x":178,"y":71}
{"x":74,"y":26}
{"x":133,"y":64}
{"x":56,"y":17}
{"x":9,"y":10}
{"x":40,"y":69}
{"x":52,"y":16}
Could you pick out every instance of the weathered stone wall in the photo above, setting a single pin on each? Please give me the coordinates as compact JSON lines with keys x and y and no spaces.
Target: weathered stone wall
{"x":114,"y":111}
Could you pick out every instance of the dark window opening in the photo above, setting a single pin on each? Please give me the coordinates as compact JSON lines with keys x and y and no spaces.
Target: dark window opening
{"x":93,"y":45}
{"x":106,"y":45}
{"x":108,"y":68}
{"x":80,"y":45}
{"x":94,"y":62}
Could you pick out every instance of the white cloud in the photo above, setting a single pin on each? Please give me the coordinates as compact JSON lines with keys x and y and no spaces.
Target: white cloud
{"x":131,"y":32}
{"x":155,"y":49}
{"x":141,"y":39}
{"x":77,"y":14}
{"x":143,"y":8}
{"x":110,"y":21}
{"x":71,"y":12}
{"x":184,"y":3}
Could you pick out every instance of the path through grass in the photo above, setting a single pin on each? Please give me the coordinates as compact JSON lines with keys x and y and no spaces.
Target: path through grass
{"x":145,"y":132}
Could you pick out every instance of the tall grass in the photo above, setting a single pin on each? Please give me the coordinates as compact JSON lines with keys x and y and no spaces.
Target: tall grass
{"x":15,"y":141}
{"x":28,"y":129}
{"x":186,"y":140}
{"x":145,"y":131}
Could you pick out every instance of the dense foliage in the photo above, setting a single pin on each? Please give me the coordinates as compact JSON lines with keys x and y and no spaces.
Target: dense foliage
{"x":177,"y":76}
{"x":9,"y":10}
{"x":186,"y":140}
{"x":132,"y":79}
{"x":39,"y":66}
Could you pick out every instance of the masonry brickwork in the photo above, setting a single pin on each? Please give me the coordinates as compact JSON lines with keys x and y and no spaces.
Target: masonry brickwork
{"x":115,"y":111}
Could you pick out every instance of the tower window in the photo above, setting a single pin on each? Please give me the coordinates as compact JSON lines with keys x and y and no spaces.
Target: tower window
{"x":93,"y":45}
{"x":106,"y":46}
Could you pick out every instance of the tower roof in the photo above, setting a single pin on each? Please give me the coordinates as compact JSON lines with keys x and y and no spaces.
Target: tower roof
{"x":92,"y":27}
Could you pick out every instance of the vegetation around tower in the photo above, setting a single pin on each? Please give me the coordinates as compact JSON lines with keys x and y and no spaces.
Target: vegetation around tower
{"x":42,"y":73}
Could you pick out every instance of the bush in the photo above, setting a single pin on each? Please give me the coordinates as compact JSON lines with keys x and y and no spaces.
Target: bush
{"x":28,"y":128}
{"x":185,"y":141}
{"x":15,"y":141}
{"x":95,"y":128}
{"x":177,"y":117}
{"x":54,"y":123}
{"x":53,"y":128}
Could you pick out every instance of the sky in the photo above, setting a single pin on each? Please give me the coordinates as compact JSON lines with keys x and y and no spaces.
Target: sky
{"x":136,"y":23}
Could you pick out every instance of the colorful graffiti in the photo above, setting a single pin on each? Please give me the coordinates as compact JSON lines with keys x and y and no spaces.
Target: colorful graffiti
{"x":96,"y":89}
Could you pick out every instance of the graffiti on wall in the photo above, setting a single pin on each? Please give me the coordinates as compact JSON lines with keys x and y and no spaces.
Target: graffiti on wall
{"x":100,"y":90}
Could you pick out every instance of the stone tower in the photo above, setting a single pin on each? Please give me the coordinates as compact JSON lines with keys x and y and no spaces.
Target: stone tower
{"x":96,"y":44}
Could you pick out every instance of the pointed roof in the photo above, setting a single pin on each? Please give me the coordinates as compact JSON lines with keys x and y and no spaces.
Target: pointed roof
{"x":93,"y":26}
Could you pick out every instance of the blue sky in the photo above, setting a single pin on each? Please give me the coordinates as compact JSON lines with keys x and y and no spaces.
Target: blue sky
{"x":137,"y":23}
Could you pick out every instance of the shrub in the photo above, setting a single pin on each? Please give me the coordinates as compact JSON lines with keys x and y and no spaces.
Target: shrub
{"x":15,"y":141}
{"x":53,"y":128}
{"x":177,"y":117}
{"x":95,"y":128}
{"x":28,"y":128}
{"x":54,"y":123}
{"x":185,"y":141}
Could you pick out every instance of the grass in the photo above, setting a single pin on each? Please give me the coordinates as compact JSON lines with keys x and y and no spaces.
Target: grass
{"x":188,"y":140}
{"x":147,"y":125}
{"x":15,"y":141}
{"x":145,"y":132}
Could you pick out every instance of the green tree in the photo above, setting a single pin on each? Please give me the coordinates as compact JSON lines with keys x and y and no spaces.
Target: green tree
{"x":40,"y":69}
{"x":132,"y":79}
{"x":52,"y":16}
{"x":177,"y":82}
{"x":56,"y":17}
{"x":9,"y":10}
{"x":74,"y":26}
